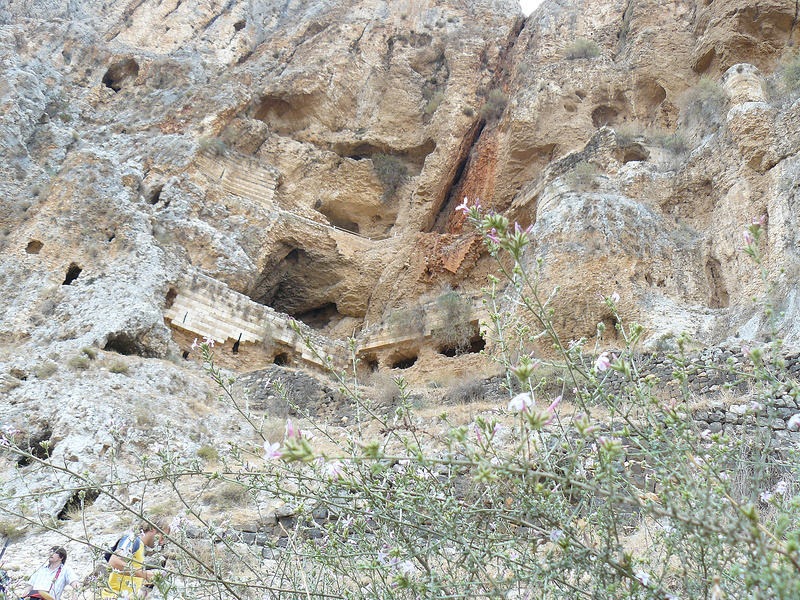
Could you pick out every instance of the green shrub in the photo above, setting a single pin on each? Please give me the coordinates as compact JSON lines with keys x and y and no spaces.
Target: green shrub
{"x":118,"y":366}
{"x":45,"y":370}
{"x":628,"y":134}
{"x":465,"y":391}
{"x":208,"y":453}
{"x":582,"y":49}
{"x":582,"y":175}
{"x":409,"y":321}
{"x":468,"y":111}
{"x":91,"y":353}
{"x":391,"y":171}
{"x":703,"y":107}
{"x":78,"y":363}
{"x":495,"y":105}
{"x":790,"y":73}
{"x":455,"y":329}
{"x":10,"y":531}
{"x":434,"y":102}
{"x":676,"y":142}
{"x":233,"y":493}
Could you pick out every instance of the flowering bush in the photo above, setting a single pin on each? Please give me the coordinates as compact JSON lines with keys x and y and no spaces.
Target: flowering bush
{"x":619,"y":497}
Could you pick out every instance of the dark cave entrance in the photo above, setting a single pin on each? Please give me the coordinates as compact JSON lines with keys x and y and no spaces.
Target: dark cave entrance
{"x":72,"y":274}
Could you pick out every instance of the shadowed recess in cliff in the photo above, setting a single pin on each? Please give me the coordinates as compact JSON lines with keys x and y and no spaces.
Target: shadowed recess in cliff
{"x":128,"y":344}
{"x":77,"y":502}
{"x":119,"y":72}
{"x":451,"y":196}
{"x":298,"y":282}
{"x":413,"y":156}
{"x":286,"y":115}
{"x":37,"y":444}
{"x":718,"y":291}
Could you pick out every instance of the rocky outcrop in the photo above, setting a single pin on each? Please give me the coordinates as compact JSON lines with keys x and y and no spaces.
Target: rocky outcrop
{"x":250,"y":161}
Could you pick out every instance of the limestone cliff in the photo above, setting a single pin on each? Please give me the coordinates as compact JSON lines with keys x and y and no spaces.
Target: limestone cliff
{"x":173,"y":169}
{"x":149,"y":143}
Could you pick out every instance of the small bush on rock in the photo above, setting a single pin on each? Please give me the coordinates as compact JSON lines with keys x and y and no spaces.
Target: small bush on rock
{"x":118,"y":366}
{"x":45,"y":370}
{"x":208,"y":453}
{"x":582,"y":49}
{"x":495,"y":105}
{"x":391,"y":172}
{"x":78,"y":363}
{"x":434,"y":102}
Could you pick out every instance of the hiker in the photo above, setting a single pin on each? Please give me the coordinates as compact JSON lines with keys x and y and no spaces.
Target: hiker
{"x":48,"y":582}
{"x":129,"y":573}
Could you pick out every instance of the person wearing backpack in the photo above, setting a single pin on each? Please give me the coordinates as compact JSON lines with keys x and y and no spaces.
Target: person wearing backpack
{"x":129,"y":573}
{"x":48,"y":582}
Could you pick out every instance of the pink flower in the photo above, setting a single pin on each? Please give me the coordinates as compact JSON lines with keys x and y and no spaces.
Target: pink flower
{"x":758,"y":220}
{"x":602,"y":362}
{"x":551,"y":409}
{"x":209,"y":341}
{"x":406,"y":567}
{"x":289,"y":428}
{"x":195,"y":344}
{"x":273,"y":451}
{"x":615,"y":297}
{"x":463,"y":207}
{"x":478,"y":435}
{"x":333,"y":470}
{"x":520,"y":402}
{"x":492,"y":235}
{"x":642,"y":577}
{"x":793,"y":422}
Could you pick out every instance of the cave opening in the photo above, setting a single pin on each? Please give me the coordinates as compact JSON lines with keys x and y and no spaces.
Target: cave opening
{"x":473,"y":346}
{"x":281,"y":359}
{"x":604,"y":115}
{"x":718,"y":297}
{"x":610,"y":323}
{"x":119,"y":72}
{"x":404,"y":361}
{"x":38,"y":445}
{"x":79,"y":501}
{"x":123,"y":343}
{"x":72,"y":274}
{"x":319,"y":318}
{"x":170,"y":299}
{"x":154,"y":194}
{"x":296,"y":282}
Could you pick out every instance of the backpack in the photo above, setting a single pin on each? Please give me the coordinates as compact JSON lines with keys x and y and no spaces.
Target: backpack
{"x":107,"y":554}
{"x":5,"y":582}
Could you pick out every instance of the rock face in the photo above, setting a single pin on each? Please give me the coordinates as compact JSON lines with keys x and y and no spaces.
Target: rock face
{"x":310,"y":155}
{"x":305,"y":158}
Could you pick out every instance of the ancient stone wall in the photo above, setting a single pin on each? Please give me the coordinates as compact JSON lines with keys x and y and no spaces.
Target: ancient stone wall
{"x":710,"y":376}
{"x":240,"y":175}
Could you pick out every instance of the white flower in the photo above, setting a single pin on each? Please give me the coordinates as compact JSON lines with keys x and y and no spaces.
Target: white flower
{"x":520,"y":402}
{"x":603,"y":362}
{"x":793,"y":422}
{"x":333,"y":470}
{"x":273,"y":451}
{"x":406,"y":567}
{"x":642,"y":577}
